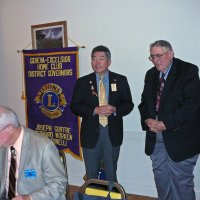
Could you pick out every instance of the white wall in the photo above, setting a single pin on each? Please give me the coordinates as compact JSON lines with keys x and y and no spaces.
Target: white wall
{"x":127,"y":27}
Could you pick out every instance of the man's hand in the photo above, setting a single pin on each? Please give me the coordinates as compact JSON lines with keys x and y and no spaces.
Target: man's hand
{"x":155,"y":125}
{"x":105,"y":110}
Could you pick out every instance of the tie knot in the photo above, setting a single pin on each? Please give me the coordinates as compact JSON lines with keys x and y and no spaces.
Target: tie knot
{"x":162,"y":78}
{"x":12,"y":149}
{"x":101,"y":78}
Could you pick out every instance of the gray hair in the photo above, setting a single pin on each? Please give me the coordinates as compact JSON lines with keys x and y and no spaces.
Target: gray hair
{"x":8,"y":117}
{"x":161,"y":43}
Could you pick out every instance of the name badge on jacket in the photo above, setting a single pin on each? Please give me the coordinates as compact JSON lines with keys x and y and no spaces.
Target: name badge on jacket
{"x":30,"y":173}
{"x":113,"y":87}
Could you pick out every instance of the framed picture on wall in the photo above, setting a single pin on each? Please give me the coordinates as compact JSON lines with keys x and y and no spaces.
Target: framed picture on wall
{"x":49,"y":35}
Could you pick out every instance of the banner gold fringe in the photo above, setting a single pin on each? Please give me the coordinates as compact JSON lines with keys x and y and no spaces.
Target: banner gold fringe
{"x":23,"y":97}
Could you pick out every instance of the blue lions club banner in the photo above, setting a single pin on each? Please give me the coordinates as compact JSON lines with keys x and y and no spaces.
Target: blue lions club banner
{"x":50,"y":77}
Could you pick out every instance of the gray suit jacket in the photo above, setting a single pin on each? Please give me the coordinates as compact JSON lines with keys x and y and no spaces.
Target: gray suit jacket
{"x":39,"y":155}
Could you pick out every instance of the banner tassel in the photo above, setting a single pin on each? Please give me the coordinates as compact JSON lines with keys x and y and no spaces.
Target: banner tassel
{"x":23,"y":97}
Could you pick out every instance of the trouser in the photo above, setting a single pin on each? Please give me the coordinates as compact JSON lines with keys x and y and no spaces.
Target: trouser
{"x":174,"y":180}
{"x":105,"y":152}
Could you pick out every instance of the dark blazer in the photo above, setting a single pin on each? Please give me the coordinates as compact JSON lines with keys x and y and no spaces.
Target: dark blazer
{"x":85,"y":99}
{"x":179,"y":110}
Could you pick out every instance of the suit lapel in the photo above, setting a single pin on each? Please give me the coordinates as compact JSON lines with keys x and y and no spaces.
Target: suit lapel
{"x":169,"y":81}
{"x":93,"y":87}
{"x":3,"y":168}
{"x":155,"y":85}
{"x":25,"y":153}
{"x":152,"y":92}
{"x":112,"y":81}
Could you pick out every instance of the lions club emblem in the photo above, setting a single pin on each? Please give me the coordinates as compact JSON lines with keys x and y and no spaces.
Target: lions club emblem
{"x":51,"y":100}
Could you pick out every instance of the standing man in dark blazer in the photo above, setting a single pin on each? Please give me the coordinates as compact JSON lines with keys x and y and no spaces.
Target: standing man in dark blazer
{"x":101,"y":142}
{"x":170,"y":116}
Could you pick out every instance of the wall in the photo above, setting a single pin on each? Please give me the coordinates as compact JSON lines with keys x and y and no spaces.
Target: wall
{"x":127,"y":28}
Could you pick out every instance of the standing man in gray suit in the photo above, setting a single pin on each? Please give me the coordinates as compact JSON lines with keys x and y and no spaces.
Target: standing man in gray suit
{"x":102,"y":123}
{"x":170,"y":116}
{"x":40,"y":174}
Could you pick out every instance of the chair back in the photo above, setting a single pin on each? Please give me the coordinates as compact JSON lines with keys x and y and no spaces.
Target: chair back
{"x":96,"y":187}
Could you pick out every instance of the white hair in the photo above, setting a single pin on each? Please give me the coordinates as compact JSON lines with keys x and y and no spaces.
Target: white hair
{"x":8,"y":117}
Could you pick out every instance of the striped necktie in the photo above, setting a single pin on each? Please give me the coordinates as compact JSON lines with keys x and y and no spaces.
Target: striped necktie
{"x":12,"y":174}
{"x":102,"y":101}
{"x":159,"y":91}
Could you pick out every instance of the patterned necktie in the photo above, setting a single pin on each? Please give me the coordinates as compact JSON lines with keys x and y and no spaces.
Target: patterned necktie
{"x":12,"y":174}
{"x":102,"y":101}
{"x":159,"y":92}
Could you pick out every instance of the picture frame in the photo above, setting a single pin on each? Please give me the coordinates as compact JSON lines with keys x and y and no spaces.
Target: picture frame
{"x":49,"y":35}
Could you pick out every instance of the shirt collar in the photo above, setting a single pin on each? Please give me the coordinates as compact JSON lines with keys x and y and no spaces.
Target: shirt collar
{"x":166,"y":72}
{"x":18,"y":143}
{"x":105,"y":75}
